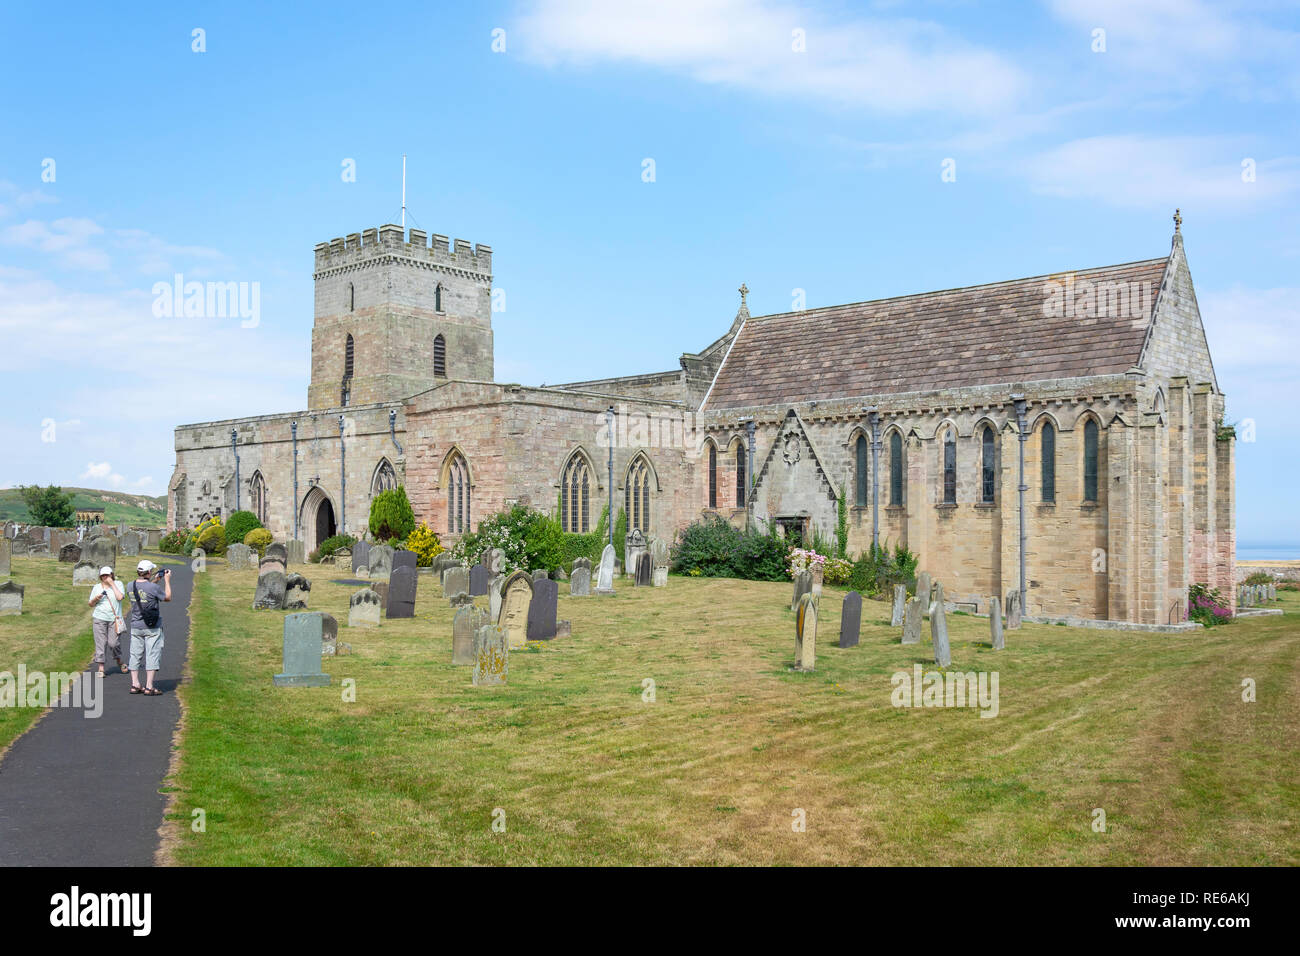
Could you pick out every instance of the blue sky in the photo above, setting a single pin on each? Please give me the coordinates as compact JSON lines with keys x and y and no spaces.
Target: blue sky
{"x":816,"y":169}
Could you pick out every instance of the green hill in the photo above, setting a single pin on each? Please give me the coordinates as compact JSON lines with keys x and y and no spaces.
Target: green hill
{"x":139,"y":510}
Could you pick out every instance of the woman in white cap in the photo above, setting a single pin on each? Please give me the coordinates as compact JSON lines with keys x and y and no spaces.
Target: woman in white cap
{"x":146,"y":624}
{"x":106,"y":621}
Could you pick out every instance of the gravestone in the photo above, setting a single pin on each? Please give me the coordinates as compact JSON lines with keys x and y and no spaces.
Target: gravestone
{"x":494,"y":597}
{"x":276,"y":552}
{"x":85,"y":572}
{"x":270,"y":564}
{"x":456,"y":582}
{"x":240,"y":557}
{"x":516,"y":600}
{"x":659,"y":552}
{"x":303,"y":645}
{"x":939,"y":628}
{"x":1272,"y":592}
{"x":153,"y":539}
{"x":11,"y":599}
{"x":580,"y":583}
{"x":661,"y":577}
{"x":805,"y":633}
{"x":496,"y":562}
{"x":381,"y":562}
{"x":401,"y":592}
{"x":802,"y":586}
{"x":467,"y":621}
{"x":442,"y":574}
{"x":644,"y":567}
{"x":68,"y":554}
{"x":559,"y":574}
{"x":900,"y":600}
{"x":923,"y":587}
{"x":6,"y":557}
{"x":329,"y":635}
{"x":102,"y":553}
{"x":491,"y":656}
{"x":995,"y":623}
{"x":130,"y":543}
{"x":97,"y":531}
{"x":1013,"y":609}
{"x":633,"y":545}
{"x":541,"y":610}
{"x":271,"y":588}
{"x":817,"y":577}
{"x":581,"y":563}
{"x":605,"y":574}
{"x":540,"y":575}
{"x":341,"y":556}
{"x":295,"y":552}
{"x":405,"y":559}
{"x":850,"y":619}
{"x":381,"y":588}
{"x":296,"y":588}
{"x":364,"y":608}
{"x":478,"y":580}
{"x":361,"y":557}
{"x":20,"y":545}
{"x":912,"y":621}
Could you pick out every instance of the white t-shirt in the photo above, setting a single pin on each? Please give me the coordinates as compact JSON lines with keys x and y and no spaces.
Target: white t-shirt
{"x":108,"y":610}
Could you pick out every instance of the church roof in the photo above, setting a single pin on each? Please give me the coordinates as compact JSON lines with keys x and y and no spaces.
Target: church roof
{"x":1022,"y":330}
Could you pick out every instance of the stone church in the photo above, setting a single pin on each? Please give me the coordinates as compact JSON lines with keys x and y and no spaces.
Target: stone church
{"x":908,"y":410}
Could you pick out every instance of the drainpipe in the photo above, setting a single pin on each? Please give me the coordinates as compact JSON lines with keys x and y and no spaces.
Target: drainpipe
{"x":293,"y":430}
{"x":609,"y":424}
{"x":873,"y":419}
{"x":1021,"y":407}
{"x":234,"y":451}
{"x":392,"y":430}
{"x":343,"y":481}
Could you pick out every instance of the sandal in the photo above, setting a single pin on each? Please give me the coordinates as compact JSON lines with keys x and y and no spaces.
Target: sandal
{"x":137,"y":690}
{"x":152,"y":692}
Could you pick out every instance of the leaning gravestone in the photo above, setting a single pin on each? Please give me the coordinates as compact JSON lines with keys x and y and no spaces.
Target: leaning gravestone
{"x":11,"y":599}
{"x":478,"y":580}
{"x":304,"y":636}
{"x":491,"y":656}
{"x":456,"y":582}
{"x":995,"y":623}
{"x":850,"y":619}
{"x":296,"y":588}
{"x":644,"y":570}
{"x":85,"y":572}
{"x":364,"y":609}
{"x":1013,"y":610}
{"x":68,"y":554}
{"x":272,"y":586}
{"x":381,"y":562}
{"x":939,"y":629}
{"x":605,"y":574}
{"x":467,"y":621}
{"x":401,"y":592}
{"x":516,"y":599}
{"x":900,"y":600}
{"x":923,"y":587}
{"x":802,"y":586}
{"x":240,"y":557}
{"x":805,"y":633}
{"x":541,"y":610}
{"x":361,"y":557}
{"x":580,"y":582}
{"x":6,"y":557}
{"x":912,"y":621}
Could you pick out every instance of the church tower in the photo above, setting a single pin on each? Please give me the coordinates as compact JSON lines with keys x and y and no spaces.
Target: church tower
{"x":397,"y":314}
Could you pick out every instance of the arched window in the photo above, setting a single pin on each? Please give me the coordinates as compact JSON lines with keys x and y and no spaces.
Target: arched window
{"x":575,"y":496}
{"x":636,"y":495}
{"x":713,"y":475}
{"x":741,"y":489}
{"x":437,"y":298}
{"x":988,"y":456}
{"x":457,"y":495}
{"x":950,"y":467}
{"x":1048,"y":463}
{"x":352,"y":300}
{"x":440,"y":356}
{"x":1090,"y":460}
{"x":257,"y":496}
{"x":385,"y":478}
{"x":895,"y":469}
{"x":860,"y":451}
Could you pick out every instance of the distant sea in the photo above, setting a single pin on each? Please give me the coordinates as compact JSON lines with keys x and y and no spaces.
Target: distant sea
{"x":1286,"y":552}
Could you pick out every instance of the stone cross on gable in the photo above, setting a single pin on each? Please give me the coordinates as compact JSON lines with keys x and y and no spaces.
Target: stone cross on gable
{"x":1178,"y":220}
{"x":744,"y":291}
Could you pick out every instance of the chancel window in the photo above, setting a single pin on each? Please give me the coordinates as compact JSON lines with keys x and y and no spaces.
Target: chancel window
{"x":457,"y":495}
{"x":950,"y":467}
{"x":860,"y":453}
{"x":1090,"y":460}
{"x":988,"y":469}
{"x":440,"y":356}
{"x":575,"y":496}
{"x":1048,"y":464}
{"x":636,"y":495}
{"x":741,"y":491}
{"x":895,"y":469}
{"x":713,"y":475}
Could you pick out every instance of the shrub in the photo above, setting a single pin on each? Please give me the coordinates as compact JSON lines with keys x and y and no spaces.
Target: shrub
{"x":192,"y":541}
{"x":173,"y":542}
{"x":1259,"y":577}
{"x":800,"y":560}
{"x":1205,"y":605}
{"x":529,"y":540}
{"x":330,"y":545}
{"x":714,"y":548}
{"x":842,"y":527}
{"x":239,"y":524}
{"x":258,"y":539}
{"x":212,"y":540}
{"x":391,"y":515}
{"x":424,"y":542}
{"x":837,"y":571}
{"x":876,"y":570}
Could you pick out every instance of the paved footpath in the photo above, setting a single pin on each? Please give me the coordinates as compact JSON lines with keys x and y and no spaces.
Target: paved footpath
{"x":84,"y":792}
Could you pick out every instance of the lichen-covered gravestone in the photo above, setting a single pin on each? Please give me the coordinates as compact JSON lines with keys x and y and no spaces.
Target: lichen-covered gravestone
{"x":364,"y":609}
{"x":295,"y":552}
{"x":381,"y":562}
{"x":272,"y":586}
{"x":296,"y":589}
{"x":85,"y":572}
{"x":995,"y":623}
{"x":68,"y":554}
{"x":6,"y":556}
{"x":303,"y":649}
{"x":923,"y":588}
{"x":805,"y":633}
{"x":516,"y":598}
{"x":102,"y":552}
{"x":491,"y":656}
{"x":850,"y":619}
{"x":11,"y":599}
{"x":464,"y":625}
{"x":939,"y":629}
{"x":240,"y":557}
{"x":455,"y":581}
{"x":401,"y":592}
{"x":900,"y":601}
{"x":130,"y":543}
{"x":912,"y":615}
{"x":1013,"y":609}
{"x":541,"y":610}
{"x":580,"y":582}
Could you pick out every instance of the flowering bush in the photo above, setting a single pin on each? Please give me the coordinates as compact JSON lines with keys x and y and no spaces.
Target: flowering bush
{"x":424,"y":542}
{"x":174,"y":541}
{"x":1203,"y":606}
{"x":804,"y":560}
{"x":837,"y":571}
{"x":528,"y":539}
{"x":258,"y":539}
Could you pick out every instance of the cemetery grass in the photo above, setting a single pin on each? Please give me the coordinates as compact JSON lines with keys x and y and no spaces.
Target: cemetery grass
{"x":1150,"y":728}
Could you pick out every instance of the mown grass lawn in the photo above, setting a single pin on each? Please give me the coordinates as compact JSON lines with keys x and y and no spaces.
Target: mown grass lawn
{"x":1150,"y":728}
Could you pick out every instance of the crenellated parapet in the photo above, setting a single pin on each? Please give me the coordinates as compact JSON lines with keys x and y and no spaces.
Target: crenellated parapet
{"x":415,"y":245}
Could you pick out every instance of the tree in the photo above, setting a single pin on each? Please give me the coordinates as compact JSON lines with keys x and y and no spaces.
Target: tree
{"x":49,"y":507}
{"x":391,"y":515}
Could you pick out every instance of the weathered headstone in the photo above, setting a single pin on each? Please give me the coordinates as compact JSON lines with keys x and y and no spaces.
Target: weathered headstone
{"x":20,"y":545}
{"x":805,"y":633}
{"x":361,"y":557}
{"x":467,"y":620}
{"x":456,"y":581}
{"x":491,"y":656}
{"x":802,"y":586}
{"x":939,"y":628}
{"x":541,"y":575}
{"x":11,"y":599}
{"x":101,"y":552}
{"x":85,"y":572}
{"x":818,"y":575}
{"x":633,"y":545}
{"x":240,"y":557}
{"x":995,"y":623}
{"x":1013,"y":610}
{"x":580,"y":582}
{"x":516,"y":600}
{"x":6,"y":556}
{"x":68,"y":554}
{"x":900,"y":600}
{"x":494,"y":597}
{"x":496,"y":562}
{"x":401,"y":592}
{"x":276,"y":552}
{"x":912,"y":621}
{"x":130,"y":543}
{"x":272,"y":586}
{"x":271,"y":564}
{"x":153,"y":538}
{"x":605,"y":574}
{"x":405,"y":559}
{"x":643,"y":577}
{"x":659,"y":552}
{"x":381,"y":588}
{"x":582,"y":563}
{"x":295,"y":552}
{"x":296,"y":589}
{"x":329,"y":635}
{"x":303,"y":640}
{"x":923,"y":588}
{"x":661,"y":577}
{"x":364,"y":608}
{"x":381,"y":562}
{"x":478,"y":580}
{"x":850,"y":619}
{"x":541,"y":610}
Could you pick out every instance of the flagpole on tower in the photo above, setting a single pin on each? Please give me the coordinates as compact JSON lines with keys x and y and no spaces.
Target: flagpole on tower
{"x":403,"y":191}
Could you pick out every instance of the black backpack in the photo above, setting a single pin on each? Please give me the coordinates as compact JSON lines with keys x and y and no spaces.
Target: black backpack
{"x":149,"y":613}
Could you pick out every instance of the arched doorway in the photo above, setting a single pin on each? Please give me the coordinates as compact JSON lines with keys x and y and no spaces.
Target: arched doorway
{"x":324,"y":522}
{"x":317,"y":519}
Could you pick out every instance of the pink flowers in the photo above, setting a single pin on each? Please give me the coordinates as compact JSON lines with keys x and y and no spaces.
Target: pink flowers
{"x":802,"y":560}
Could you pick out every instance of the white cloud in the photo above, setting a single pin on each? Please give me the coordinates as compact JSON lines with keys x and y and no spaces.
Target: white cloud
{"x":1253,"y":330}
{"x":80,"y":243}
{"x":68,"y":239}
{"x":102,"y":472}
{"x":885,"y":65}
{"x":142,"y":482}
